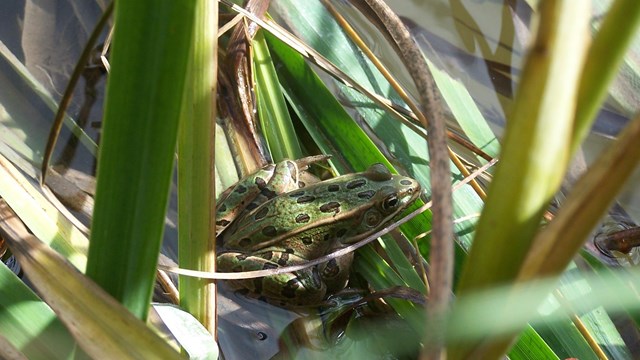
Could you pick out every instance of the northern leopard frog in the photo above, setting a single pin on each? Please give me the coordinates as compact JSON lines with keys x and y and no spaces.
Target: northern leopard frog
{"x":267,"y":221}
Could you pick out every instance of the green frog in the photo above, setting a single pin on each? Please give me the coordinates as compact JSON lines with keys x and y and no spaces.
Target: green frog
{"x":268,"y":221}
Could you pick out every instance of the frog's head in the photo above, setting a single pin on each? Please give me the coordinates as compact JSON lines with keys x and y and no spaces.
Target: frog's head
{"x":388,"y":196}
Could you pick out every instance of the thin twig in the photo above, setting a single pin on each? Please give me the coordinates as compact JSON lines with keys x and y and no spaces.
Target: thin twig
{"x":68,"y":92}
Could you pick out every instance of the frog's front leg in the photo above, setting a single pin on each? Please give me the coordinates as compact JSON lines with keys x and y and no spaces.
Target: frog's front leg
{"x":304,"y":287}
{"x":253,"y":190}
{"x":259,"y":187}
{"x":335,"y":272}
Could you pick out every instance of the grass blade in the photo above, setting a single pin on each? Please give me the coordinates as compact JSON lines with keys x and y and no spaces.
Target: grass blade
{"x":590,"y":198}
{"x":603,"y":61}
{"x":144,"y":94}
{"x":272,"y":108}
{"x":539,"y":130}
{"x":196,"y":183}
{"x":101,"y":325}
{"x":28,"y":324}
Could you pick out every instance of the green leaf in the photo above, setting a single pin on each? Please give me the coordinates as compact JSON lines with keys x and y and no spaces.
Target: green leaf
{"x":29,"y":324}
{"x":144,"y":97}
{"x":272,"y":108}
{"x":603,"y":62}
{"x":539,"y":129}
{"x":196,"y":187}
{"x":101,"y":325}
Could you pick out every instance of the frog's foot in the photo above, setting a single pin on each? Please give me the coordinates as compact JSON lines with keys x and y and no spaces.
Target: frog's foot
{"x":335,"y":272}
{"x":304,"y":287}
{"x":304,"y":163}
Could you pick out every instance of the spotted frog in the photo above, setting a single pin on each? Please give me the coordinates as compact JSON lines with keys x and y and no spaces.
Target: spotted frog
{"x":267,"y":221}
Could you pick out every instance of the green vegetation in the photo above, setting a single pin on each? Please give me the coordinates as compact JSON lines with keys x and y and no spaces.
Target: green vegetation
{"x":520,"y":288}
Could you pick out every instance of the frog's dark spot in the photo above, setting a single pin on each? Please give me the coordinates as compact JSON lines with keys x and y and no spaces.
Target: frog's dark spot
{"x":260,"y":182}
{"x":244,"y":242}
{"x":356,"y":183}
{"x":302,"y":218}
{"x":331,"y":270}
{"x":406,"y":182}
{"x":292,"y":167}
{"x":267,"y":255}
{"x":223,"y":222}
{"x":307,"y":240}
{"x":284,"y":259}
{"x":222,"y":208}
{"x":268,"y":266}
{"x":289,"y":290}
{"x":269,"y":231}
{"x":333,"y":187}
{"x":241,"y":257}
{"x":251,"y":206}
{"x":341,"y":233}
{"x":240,"y":189}
{"x":289,"y":250}
{"x":296,"y":194}
{"x":268,"y":193}
{"x":332,"y":206}
{"x":261,"y":213}
{"x":368,"y":194}
{"x":305,"y":199}
{"x":326,"y":237}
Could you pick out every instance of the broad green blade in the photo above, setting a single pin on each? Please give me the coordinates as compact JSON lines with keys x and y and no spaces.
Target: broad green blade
{"x":144,"y":97}
{"x":603,"y":62}
{"x":272,"y":108}
{"x":29,"y":324}
{"x":539,"y":130}
{"x":530,"y":346}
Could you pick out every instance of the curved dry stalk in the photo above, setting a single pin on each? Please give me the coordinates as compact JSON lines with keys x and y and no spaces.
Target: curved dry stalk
{"x":68,"y":92}
{"x":442,"y":240}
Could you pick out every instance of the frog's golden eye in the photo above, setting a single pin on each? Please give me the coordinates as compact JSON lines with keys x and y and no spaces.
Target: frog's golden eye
{"x":390,"y":202}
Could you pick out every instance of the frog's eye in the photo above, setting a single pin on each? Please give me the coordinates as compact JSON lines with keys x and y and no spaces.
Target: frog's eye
{"x":390,"y":202}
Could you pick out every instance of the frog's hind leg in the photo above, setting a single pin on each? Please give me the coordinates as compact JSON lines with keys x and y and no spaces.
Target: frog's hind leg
{"x":304,"y":287}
